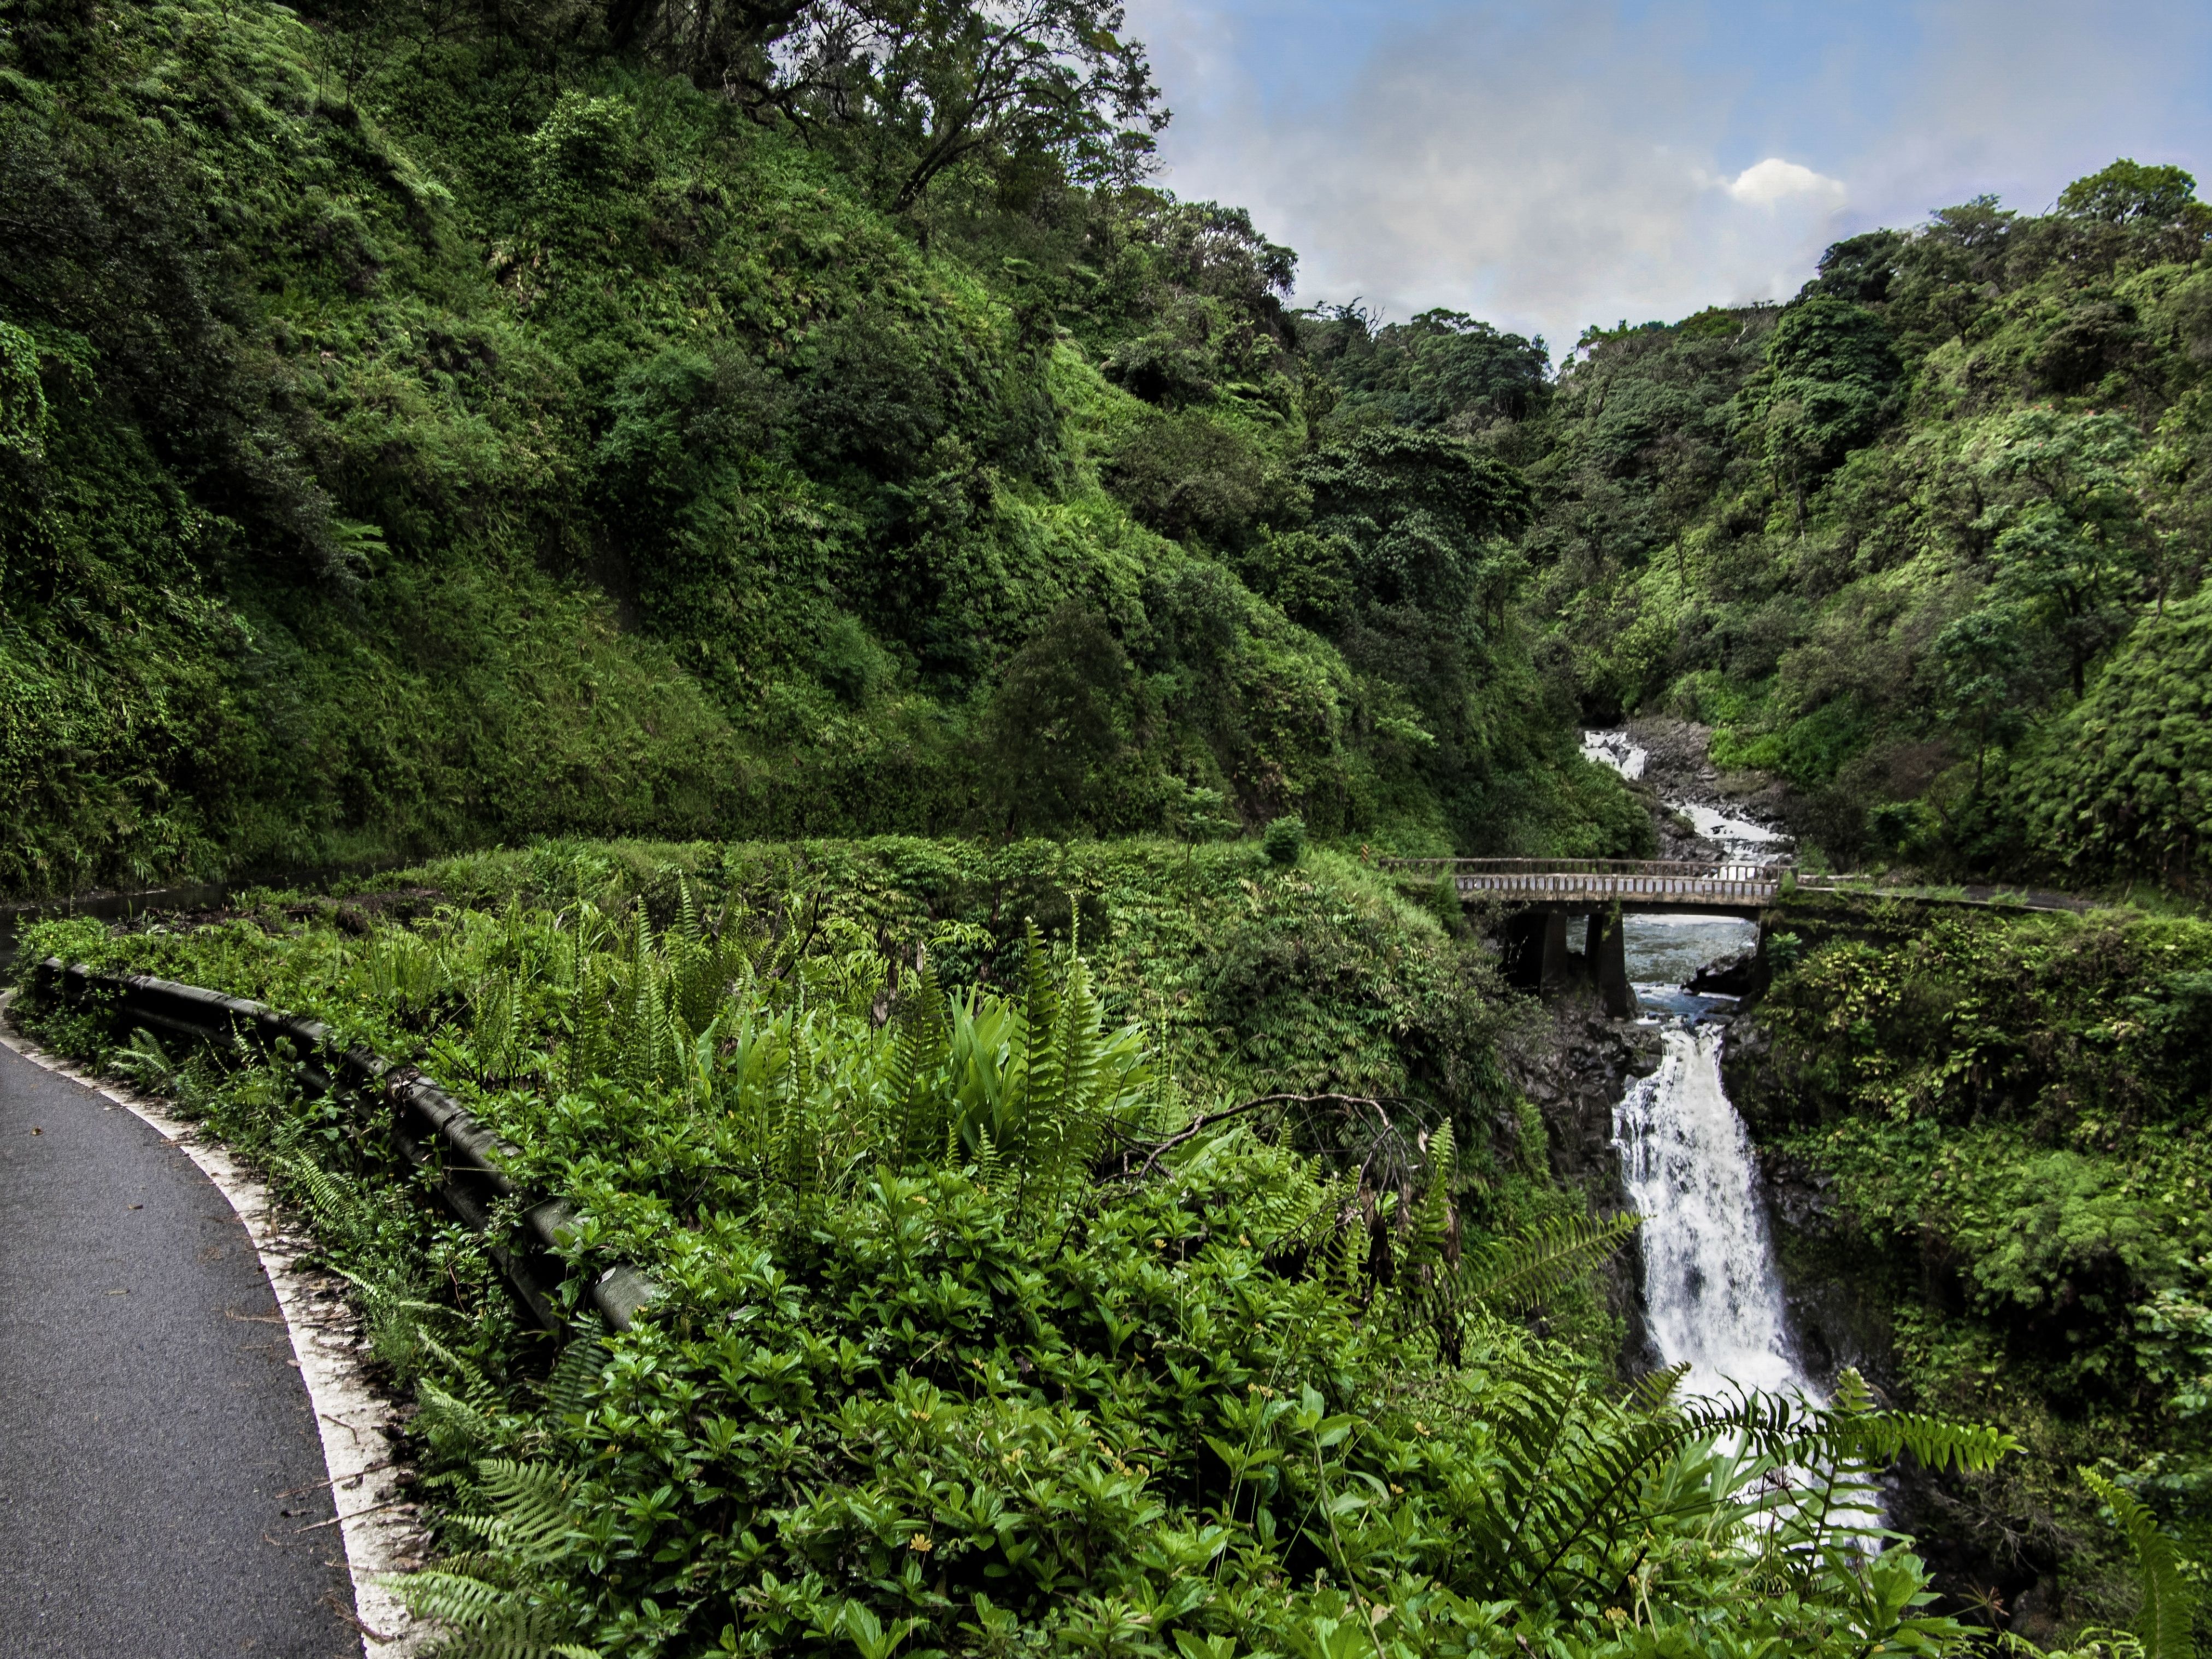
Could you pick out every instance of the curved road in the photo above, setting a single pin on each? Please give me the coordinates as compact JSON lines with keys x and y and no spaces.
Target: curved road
{"x":160,"y":1472}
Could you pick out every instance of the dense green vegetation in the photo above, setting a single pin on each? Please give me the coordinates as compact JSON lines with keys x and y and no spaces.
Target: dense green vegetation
{"x":423,"y":430}
{"x":970,"y":1337}
{"x":2004,"y":1122}
{"x":427,"y":427}
{"x":422,"y":427}
{"x":1921,"y":541}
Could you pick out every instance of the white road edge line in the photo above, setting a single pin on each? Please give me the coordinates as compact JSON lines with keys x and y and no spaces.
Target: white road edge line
{"x":326,"y":1341}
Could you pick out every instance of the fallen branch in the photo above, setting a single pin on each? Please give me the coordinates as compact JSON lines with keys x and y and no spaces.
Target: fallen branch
{"x":1206,"y":1121}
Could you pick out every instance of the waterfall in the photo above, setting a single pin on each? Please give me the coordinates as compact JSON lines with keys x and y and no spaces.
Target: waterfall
{"x":1711,"y":1289}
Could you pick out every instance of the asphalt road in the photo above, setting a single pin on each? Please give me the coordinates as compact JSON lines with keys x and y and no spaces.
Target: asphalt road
{"x":159,"y":1458}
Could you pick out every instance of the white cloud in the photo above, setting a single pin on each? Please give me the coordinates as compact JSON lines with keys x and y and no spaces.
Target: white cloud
{"x":1547,"y":167}
{"x":1765,"y":183}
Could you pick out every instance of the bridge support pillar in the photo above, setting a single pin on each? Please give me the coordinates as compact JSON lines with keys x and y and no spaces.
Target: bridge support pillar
{"x":1536,"y":956}
{"x":1605,"y":949}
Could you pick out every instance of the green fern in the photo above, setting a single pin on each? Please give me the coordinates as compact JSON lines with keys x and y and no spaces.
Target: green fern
{"x":449,"y":1419}
{"x":2169,"y":1600}
{"x":1429,"y":1231}
{"x":1512,"y":1275}
{"x":531,"y":1514}
{"x":505,"y":1601}
{"x":1578,"y":1471}
{"x":575,"y":1376}
{"x":1505,"y":1278}
{"x":1037,"y":1092}
{"x":487,"y":1620}
{"x":920,"y":1050}
{"x":146,"y":1063}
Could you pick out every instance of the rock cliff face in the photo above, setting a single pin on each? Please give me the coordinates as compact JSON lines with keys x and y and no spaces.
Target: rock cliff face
{"x":1836,"y":1313}
{"x":1574,"y":1068}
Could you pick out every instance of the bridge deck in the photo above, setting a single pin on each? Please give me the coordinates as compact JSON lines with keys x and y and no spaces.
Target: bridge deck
{"x":1634,"y":883}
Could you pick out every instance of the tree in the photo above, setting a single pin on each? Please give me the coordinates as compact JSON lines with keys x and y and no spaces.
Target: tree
{"x":918,"y":87}
{"x":1832,"y":381}
{"x":1185,"y":475}
{"x":2150,"y":213}
{"x":717,"y":43}
{"x":2128,"y":192}
{"x":1859,"y":268}
{"x":1979,"y":660}
{"x":1444,"y":369}
{"x":2073,"y":549}
{"x":1944,"y":270}
{"x":1056,"y":720}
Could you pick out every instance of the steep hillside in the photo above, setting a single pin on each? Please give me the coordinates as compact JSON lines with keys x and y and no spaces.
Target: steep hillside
{"x":422,"y":427}
{"x":1923,"y":541}
{"x":1988,"y":1138}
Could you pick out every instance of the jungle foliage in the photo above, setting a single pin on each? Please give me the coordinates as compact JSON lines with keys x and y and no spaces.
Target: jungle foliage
{"x":1921,"y":541}
{"x":431,"y":426}
{"x":985,"y":1325}
{"x":2003,"y":1121}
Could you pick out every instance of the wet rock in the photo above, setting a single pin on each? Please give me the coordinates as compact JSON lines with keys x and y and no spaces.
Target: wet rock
{"x":1573,"y":1066}
{"x":1736,"y":976}
{"x":1678,"y":767}
{"x":1574,"y":1071}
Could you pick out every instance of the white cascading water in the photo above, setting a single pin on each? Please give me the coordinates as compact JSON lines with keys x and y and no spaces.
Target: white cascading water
{"x":1711,"y":1291}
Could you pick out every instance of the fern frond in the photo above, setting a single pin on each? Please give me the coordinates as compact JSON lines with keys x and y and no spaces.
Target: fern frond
{"x":1431,"y":1229}
{"x":920,"y":1050}
{"x":1039,"y":1092}
{"x":531,"y":1504}
{"x":486,"y":1620}
{"x":145,"y":1062}
{"x":456,"y":1416}
{"x":2169,"y":1601}
{"x":1504,"y":1277}
{"x":458,"y":1599}
{"x":1655,"y":1392}
{"x":575,"y":1375}
{"x":1933,"y":1441}
{"x":1510,"y":1276}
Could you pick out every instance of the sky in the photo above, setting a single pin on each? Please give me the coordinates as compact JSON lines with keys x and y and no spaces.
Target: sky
{"x":1547,"y":167}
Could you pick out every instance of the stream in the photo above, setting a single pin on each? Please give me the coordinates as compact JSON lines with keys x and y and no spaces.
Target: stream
{"x":1711,"y":1291}
{"x":1735,"y":837}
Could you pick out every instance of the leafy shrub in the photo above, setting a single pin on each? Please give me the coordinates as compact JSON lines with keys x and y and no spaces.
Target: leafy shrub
{"x":2005,"y":1119}
{"x":1185,"y":475}
{"x":1286,"y":839}
{"x":2121,"y":783}
{"x":967,"y":1333}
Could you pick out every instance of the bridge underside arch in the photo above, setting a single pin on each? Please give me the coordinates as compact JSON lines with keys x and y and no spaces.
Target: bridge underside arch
{"x":1538,"y":957}
{"x":1539,"y":897}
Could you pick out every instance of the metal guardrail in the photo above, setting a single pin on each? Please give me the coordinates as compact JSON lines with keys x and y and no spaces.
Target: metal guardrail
{"x":1640,"y":881}
{"x":432,"y":1130}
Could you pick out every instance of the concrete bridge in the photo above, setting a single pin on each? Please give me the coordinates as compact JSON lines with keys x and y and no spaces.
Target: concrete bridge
{"x":1541,"y":894}
{"x":1636,"y":885}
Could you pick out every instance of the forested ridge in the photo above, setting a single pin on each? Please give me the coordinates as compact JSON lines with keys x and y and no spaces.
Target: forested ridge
{"x":1927,"y":540}
{"x":429,"y":427}
{"x":426,"y":427}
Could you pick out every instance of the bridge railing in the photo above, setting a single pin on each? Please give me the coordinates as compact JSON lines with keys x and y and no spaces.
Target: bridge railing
{"x":1654,"y":881}
{"x":1733,"y":869}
